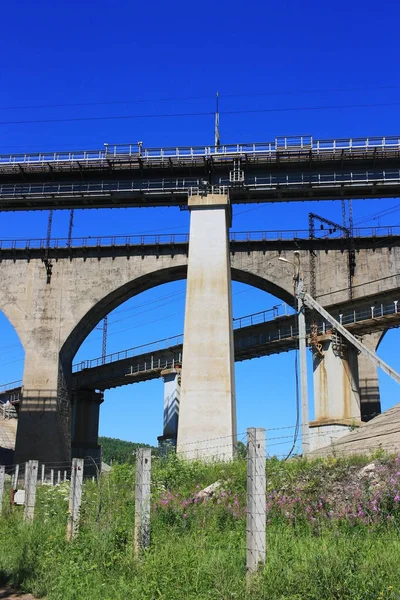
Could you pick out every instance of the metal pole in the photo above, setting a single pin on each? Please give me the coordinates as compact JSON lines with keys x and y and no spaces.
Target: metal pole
{"x":301,"y":307}
{"x":305,"y":444}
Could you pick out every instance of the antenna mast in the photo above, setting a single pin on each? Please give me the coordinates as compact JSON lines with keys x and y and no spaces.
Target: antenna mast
{"x":217,"y":141}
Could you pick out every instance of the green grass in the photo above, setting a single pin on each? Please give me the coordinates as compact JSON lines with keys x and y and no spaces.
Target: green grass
{"x":198,"y":551}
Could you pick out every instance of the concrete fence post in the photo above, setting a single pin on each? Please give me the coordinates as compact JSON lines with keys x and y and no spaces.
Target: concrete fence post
{"x":75,"y":497}
{"x":42,"y":474}
{"x":16,"y":477}
{"x":58,"y":477}
{"x":256,"y":500}
{"x":142,"y":500}
{"x":2,"y":479}
{"x":31,"y":475}
{"x":65,"y":476}
{"x":51,"y":476}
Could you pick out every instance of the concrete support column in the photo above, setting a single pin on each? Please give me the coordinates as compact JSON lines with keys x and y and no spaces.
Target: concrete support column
{"x":207,"y":414}
{"x":368,"y":379}
{"x":44,"y":428}
{"x":336,"y":396}
{"x":172,"y":388}
{"x":85,"y":425}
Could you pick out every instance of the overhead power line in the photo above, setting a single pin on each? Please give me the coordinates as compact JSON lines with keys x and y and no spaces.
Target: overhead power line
{"x":206,"y":97}
{"x":201,"y":113}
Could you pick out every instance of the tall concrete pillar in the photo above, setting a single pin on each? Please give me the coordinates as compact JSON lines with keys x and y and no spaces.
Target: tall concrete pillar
{"x":44,"y":427}
{"x":368,"y":379}
{"x":172,"y":388}
{"x":85,"y":425}
{"x":336,"y":395}
{"x":207,"y":412}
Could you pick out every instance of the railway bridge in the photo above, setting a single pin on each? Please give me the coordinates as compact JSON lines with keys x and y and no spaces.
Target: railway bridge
{"x":89,"y":278}
{"x":55,"y":294}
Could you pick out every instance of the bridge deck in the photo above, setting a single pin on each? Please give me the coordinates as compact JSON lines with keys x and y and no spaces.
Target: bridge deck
{"x":129,"y":175}
{"x":260,"y":334}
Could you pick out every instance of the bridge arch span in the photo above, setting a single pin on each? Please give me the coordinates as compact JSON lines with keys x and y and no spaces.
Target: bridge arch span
{"x":145,"y":282}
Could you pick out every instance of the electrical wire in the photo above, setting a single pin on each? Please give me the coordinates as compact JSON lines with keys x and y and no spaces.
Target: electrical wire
{"x":206,"y":97}
{"x":202,"y":113}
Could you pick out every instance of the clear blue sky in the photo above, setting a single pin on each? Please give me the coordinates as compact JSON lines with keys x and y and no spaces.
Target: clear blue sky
{"x":143,"y":58}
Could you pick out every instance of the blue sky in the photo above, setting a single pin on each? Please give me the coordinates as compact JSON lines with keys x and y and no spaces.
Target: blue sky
{"x":157,"y":58}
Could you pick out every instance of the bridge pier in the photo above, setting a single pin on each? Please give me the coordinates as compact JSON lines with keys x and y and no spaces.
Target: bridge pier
{"x":172,"y":387}
{"x":43,"y":431}
{"x":85,"y":427}
{"x":368,"y":379}
{"x":207,"y":413}
{"x":336,"y":393}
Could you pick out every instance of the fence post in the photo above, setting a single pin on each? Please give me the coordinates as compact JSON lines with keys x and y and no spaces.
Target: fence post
{"x":51,"y":476}
{"x":75,"y":497}
{"x":30,"y":489}
{"x":58,"y":477}
{"x":142,"y":500}
{"x":2,"y":478}
{"x":42,"y":474}
{"x":256,"y":500}
{"x":16,"y":476}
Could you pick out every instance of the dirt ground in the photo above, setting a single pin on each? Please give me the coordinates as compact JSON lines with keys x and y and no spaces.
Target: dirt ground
{"x":8,"y":594}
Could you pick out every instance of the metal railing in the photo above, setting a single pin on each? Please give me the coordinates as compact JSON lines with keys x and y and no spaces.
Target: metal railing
{"x":183,"y":238}
{"x":281,"y":333}
{"x":5,"y":387}
{"x":165,"y":344}
{"x":137,"y":151}
{"x":188,"y":186}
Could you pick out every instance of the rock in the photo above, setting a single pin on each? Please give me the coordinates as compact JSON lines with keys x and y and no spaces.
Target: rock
{"x":368,"y":470}
{"x":209,"y":490}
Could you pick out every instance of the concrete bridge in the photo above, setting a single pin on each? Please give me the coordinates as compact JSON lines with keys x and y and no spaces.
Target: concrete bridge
{"x":54,"y":296}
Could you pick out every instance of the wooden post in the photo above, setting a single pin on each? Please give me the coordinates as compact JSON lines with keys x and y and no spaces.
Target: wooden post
{"x":256,"y":500}
{"x":142,"y":500}
{"x":31,"y":474}
{"x":75,"y":497}
{"x":16,"y":476}
{"x":2,"y":478}
{"x":51,"y":476}
{"x":42,"y":474}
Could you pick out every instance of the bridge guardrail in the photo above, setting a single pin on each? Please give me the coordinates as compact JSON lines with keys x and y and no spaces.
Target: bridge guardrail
{"x":137,"y":151}
{"x":348,"y":318}
{"x":183,"y":238}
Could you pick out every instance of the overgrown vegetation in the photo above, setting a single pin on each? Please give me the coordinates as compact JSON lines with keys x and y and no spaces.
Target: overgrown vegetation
{"x":332,"y":534}
{"x":120,"y":451}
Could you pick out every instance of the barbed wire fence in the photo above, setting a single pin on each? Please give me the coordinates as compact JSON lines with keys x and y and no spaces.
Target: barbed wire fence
{"x":28,"y":476}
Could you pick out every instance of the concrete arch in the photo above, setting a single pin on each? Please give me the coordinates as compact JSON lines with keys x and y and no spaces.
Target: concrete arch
{"x":146,"y":282}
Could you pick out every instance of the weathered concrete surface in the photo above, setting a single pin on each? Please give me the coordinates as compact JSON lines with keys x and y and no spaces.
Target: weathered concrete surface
{"x":8,"y":432}
{"x":207,"y":412}
{"x":85,"y":423}
{"x":381,"y":433}
{"x":53,"y":319}
{"x":336,"y":392}
{"x":368,"y":378}
{"x":172,"y":392}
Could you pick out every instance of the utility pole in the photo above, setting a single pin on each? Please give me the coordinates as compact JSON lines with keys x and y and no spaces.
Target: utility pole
{"x":217,"y":140}
{"x":104,"y":340}
{"x":301,"y":320}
